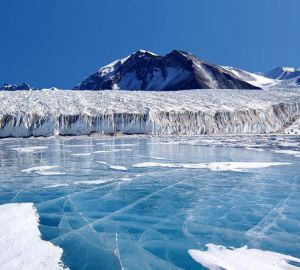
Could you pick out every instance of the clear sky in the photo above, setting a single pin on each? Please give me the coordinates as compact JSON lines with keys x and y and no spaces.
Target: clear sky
{"x":59,"y":42}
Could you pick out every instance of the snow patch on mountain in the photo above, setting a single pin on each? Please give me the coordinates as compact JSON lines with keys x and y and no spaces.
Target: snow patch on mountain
{"x":255,"y":79}
{"x":265,"y":82}
{"x":283,"y":73}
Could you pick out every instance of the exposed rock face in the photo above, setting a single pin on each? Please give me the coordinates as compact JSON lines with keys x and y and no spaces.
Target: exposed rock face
{"x":177,"y":70}
{"x":46,"y":113}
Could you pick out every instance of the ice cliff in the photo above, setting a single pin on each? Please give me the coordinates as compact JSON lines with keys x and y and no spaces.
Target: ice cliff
{"x":46,"y":113}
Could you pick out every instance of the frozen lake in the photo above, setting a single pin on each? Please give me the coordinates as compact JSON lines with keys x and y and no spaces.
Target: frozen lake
{"x":143,"y":203}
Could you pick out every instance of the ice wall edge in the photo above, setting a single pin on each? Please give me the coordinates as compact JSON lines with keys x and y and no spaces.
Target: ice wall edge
{"x":272,"y":119}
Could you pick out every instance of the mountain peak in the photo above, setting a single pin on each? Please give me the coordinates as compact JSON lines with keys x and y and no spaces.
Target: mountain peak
{"x":141,"y":53}
{"x":177,"y":70}
{"x":288,"y":69}
{"x":179,"y":53}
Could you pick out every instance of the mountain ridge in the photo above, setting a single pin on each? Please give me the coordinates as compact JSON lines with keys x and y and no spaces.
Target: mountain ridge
{"x":13,"y":87}
{"x":177,"y":70}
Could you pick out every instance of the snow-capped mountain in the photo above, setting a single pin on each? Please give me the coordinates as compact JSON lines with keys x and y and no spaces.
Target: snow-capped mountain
{"x":13,"y":87}
{"x":176,"y":70}
{"x":280,"y":78}
{"x":289,"y":77}
{"x":283,"y":73}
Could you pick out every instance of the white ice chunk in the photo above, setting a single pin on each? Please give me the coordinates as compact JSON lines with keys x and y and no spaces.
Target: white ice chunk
{"x":57,"y":185}
{"x":120,"y":168}
{"x":91,"y":182}
{"x":30,"y":149}
{"x":288,"y":152}
{"x":43,"y":170}
{"x":113,"y":167}
{"x":81,"y":154}
{"x":21,"y":246}
{"x":126,"y":179}
{"x":256,"y":149}
{"x":111,"y":151}
{"x":219,"y":257}
{"x":214,"y":166}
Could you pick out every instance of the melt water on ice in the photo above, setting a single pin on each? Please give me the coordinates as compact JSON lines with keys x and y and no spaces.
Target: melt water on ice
{"x":159,"y":203}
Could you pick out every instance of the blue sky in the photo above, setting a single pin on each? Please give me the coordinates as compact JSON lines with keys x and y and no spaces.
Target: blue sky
{"x":59,"y":42}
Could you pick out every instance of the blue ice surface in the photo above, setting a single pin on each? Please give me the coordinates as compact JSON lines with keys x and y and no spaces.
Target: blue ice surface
{"x":148,"y":218}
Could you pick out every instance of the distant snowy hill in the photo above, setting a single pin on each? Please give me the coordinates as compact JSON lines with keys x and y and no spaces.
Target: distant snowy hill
{"x":283,"y":73}
{"x":177,"y":70}
{"x":13,"y":87}
{"x":279,"y":78}
{"x":288,"y":76}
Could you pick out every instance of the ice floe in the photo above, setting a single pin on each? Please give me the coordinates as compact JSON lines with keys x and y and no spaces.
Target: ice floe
{"x":288,"y":152}
{"x":31,"y":149}
{"x":256,"y":149}
{"x":103,"y":151}
{"x":21,"y":246}
{"x":81,"y":154}
{"x":213,"y":166}
{"x":219,"y":257}
{"x":126,"y":179}
{"x":113,"y":167}
{"x":91,"y":182}
{"x":57,"y":185}
{"x":111,"y":151}
{"x":159,"y":158}
{"x":43,"y":170}
{"x":120,"y":168}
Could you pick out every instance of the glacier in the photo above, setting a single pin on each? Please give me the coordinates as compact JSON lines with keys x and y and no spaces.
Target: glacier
{"x":193,"y":112}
